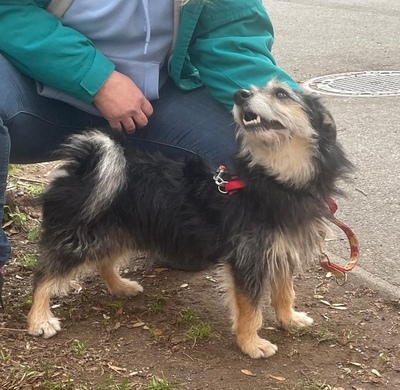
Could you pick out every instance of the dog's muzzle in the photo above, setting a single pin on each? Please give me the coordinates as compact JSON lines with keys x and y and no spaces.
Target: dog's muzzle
{"x":251,"y":120}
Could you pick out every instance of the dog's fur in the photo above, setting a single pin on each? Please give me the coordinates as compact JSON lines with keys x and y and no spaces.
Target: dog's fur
{"x":107,"y":202}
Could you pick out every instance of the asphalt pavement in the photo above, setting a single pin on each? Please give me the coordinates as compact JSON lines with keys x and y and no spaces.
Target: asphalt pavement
{"x":321,"y":37}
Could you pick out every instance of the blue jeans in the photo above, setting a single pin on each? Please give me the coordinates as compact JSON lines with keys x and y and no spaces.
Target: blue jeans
{"x":184,"y":124}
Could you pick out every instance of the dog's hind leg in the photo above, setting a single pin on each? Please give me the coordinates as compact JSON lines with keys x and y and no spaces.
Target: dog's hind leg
{"x":282,"y":299}
{"x":247,"y":320}
{"x":117,"y":285}
{"x":40,"y":318}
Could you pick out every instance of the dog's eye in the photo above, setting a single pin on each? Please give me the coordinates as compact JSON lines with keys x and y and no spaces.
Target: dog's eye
{"x":281,"y":94}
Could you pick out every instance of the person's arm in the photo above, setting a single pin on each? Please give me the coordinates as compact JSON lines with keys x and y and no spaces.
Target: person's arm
{"x":41,"y":47}
{"x":232,"y":49}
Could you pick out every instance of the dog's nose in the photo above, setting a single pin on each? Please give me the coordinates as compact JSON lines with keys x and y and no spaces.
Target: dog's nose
{"x":241,"y":96}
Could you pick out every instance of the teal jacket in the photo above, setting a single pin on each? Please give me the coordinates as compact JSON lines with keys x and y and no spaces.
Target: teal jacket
{"x":222,"y":44}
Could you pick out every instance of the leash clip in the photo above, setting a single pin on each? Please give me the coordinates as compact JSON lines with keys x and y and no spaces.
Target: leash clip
{"x":219,"y":181}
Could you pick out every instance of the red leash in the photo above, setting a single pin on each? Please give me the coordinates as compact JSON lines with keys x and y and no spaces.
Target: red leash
{"x":340,"y":273}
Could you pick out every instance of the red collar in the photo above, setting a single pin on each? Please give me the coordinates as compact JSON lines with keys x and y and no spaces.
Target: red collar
{"x":227,"y":186}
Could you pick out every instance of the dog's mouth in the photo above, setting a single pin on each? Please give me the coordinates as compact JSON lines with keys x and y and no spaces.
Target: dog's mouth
{"x":252,"y":121}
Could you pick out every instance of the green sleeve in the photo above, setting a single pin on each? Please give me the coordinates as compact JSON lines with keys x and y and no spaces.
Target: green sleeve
{"x":232,"y":50}
{"x":41,"y":47}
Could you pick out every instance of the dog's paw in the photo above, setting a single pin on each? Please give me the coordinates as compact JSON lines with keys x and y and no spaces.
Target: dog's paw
{"x":298,"y":320}
{"x":46,"y":328}
{"x":126,"y":288}
{"x":258,"y":348}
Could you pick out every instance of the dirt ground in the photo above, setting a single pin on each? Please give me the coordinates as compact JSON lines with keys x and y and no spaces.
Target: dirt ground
{"x":176,"y":335}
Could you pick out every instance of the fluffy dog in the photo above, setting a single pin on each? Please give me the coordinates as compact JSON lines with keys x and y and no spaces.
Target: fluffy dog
{"x":108,"y":202}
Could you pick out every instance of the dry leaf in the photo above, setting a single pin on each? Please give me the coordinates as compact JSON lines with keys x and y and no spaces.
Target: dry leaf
{"x":319,"y":296}
{"x":355,"y":364}
{"x":247,"y":372}
{"x":115,"y":368}
{"x":184,"y":285}
{"x":376,"y":373}
{"x":138,"y":324}
{"x":325,"y":302}
{"x":278,"y":378}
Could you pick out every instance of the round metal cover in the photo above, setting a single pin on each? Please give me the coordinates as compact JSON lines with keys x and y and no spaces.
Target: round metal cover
{"x":357,"y":84}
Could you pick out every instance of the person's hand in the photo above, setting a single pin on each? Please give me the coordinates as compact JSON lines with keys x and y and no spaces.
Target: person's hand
{"x":123,"y":104}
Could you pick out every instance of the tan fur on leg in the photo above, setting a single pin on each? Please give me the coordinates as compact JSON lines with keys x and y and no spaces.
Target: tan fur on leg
{"x":247,"y":322}
{"x":282,"y":298}
{"x":40,"y":318}
{"x":115,"y":284}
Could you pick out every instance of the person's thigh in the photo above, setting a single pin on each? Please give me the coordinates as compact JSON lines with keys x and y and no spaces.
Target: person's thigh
{"x":36,"y":125}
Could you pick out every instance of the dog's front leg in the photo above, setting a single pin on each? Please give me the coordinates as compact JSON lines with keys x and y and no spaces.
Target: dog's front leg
{"x":282,"y":300}
{"x":247,"y":320}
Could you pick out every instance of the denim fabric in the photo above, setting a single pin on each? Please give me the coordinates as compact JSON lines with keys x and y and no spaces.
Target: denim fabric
{"x":5,"y":249}
{"x":184,"y":124}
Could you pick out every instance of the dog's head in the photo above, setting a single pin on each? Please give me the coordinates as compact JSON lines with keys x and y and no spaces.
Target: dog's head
{"x":285,"y":131}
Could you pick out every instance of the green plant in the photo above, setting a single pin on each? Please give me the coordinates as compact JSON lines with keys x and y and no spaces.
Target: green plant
{"x":155,"y":304}
{"x":4,"y":355}
{"x":124,"y":385}
{"x":78,"y":347}
{"x":35,"y":190}
{"x":158,"y":383}
{"x":199,"y":331}
{"x":27,"y":260}
{"x":34,"y":234}
{"x":12,"y":170}
{"x":17,"y":218}
{"x":116,"y":305}
{"x":189,"y":315}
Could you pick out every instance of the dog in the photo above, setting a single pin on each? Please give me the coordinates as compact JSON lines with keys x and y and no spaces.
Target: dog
{"x":108,"y":202}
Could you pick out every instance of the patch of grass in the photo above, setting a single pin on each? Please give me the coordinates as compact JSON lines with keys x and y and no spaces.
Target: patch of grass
{"x":78,"y":347}
{"x":4,"y":355}
{"x":124,"y":385}
{"x":67,"y":384}
{"x":18,"y":219}
{"x":28,"y":300}
{"x":199,"y":331}
{"x":27,"y":260}
{"x":116,"y":306}
{"x":13,"y":170}
{"x":189,"y":315}
{"x":35,"y":190}
{"x":34,"y":234}
{"x":155,"y":305}
{"x":158,"y":383}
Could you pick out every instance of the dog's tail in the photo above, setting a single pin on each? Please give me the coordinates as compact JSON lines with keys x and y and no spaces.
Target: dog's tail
{"x":97,"y":167}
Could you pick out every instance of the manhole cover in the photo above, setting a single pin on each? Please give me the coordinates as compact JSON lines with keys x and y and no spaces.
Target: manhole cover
{"x":358,"y":84}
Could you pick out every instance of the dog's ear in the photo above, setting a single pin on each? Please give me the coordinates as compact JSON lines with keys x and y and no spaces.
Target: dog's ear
{"x":320,"y":117}
{"x":328,"y":123}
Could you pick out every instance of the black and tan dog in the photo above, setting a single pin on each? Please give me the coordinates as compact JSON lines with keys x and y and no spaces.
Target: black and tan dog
{"x":108,"y":202}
